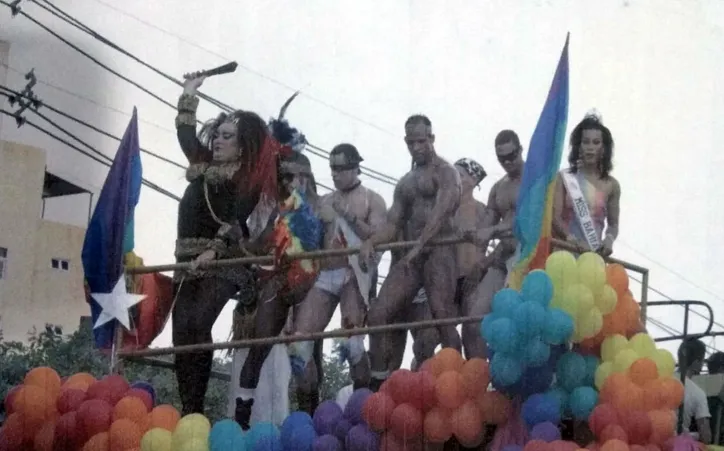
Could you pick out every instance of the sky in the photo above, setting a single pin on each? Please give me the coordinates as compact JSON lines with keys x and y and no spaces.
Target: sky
{"x":652,"y":68}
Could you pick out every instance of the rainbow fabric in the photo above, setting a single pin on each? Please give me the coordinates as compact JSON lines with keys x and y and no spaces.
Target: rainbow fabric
{"x":534,"y":211}
{"x":298,"y":230}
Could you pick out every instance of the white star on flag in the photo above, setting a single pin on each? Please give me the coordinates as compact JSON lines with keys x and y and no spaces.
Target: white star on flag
{"x":115,"y":304}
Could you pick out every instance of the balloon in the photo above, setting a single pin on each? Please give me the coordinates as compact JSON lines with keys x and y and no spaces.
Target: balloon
{"x":617,"y":278}
{"x":70,"y":399}
{"x":615,"y":445}
{"x":613,"y":432}
{"x":67,"y":434}
{"x":505,"y":301}
{"x":157,"y":439}
{"x":529,"y":318}
{"x":540,"y":408}
{"x":45,"y":378}
{"x":467,"y":424}
{"x":624,"y":359}
{"x":134,"y":409}
{"x":602,"y":416}
{"x":44,"y":439}
{"x":436,"y":425}
{"x":147,"y":387}
{"x":164,"y":416}
{"x":504,"y":336}
{"x":558,"y":327}
{"x":663,"y":424}
{"x":537,"y":445}
{"x":574,"y":300}
{"x":326,"y":416}
{"x":589,"y":323}
{"x":602,"y":372}
{"x":537,"y":287}
{"x":361,"y":438}
{"x":194,"y":444}
{"x":377,"y":411}
{"x":592,"y":271}
{"x":406,"y":422}
{"x":606,"y":300}
{"x":449,"y":388}
{"x":125,"y":434}
{"x":190,"y":426}
{"x":494,"y":407}
{"x":637,"y":425}
{"x":227,"y":435}
{"x":505,"y":370}
{"x":611,"y":346}
{"x":562,"y":268}
{"x":327,"y":443}
{"x":591,"y":366}
{"x":643,"y":371}
{"x":561,"y":395}
{"x":141,"y":394}
{"x":484,"y":328}
{"x":545,"y":431}
{"x":476,"y":377}
{"x":571,"y":371}
{"x":665,"y":362}
{"x":536,"y":353}
{"x":582,"y":401}
{"x":449,"y":359}
{"x":643,"y":344}
{"x":267,"y":443}
{"x":80,"y":381}
{"x":353,"y":409}
{"x":343,"y":427}
{"x":267,"y":433}
{"x":36,"y":404}
{"x":99,"y":442}
{"x":94,"y":417}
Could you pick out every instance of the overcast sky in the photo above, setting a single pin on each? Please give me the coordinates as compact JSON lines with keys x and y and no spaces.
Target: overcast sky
{"x":653,"y":68}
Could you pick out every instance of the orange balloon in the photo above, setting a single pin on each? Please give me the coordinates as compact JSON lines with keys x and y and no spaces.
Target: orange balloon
{"x":476,"y":377}
{"x":134,"y":409}
{"x":436,"y":427}
{"x":45,"y":437}
{"x":124,"y":434}
{"x":450,"y":359}
{"x":673,"y":391}
{"x":467,"y":424}
{"x":45,"y":378}
{"x":615,"y":445}
{"x":80,"y":381}
{"x":495,"y":407}
{"x":617,"y":277}
{"x":643,"y":371}
{"x":449,"y":390}
{"x":164,"y":416}
{"x":37,"y":404}
{"x":99,"y":442}
{"x":615,"y":383}
{"x":663,"y":424}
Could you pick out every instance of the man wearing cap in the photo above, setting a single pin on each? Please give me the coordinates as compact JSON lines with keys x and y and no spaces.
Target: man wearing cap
{"x":426,"y":200}
{"x":350,"y":214}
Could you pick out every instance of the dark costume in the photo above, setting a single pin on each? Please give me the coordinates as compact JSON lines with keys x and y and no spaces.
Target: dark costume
{"x":212,"y":216}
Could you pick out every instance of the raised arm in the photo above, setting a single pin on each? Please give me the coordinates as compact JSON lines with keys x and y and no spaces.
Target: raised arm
{"x":449,"y":190}
{"x":188,"y":102}
{"x":613,"y":207}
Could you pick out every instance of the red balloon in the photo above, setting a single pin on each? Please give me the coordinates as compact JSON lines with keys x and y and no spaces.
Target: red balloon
{"x":637,"y":425}
{"x":613,"y":432}
{"x":101,"y":391}
{"x":422,"y":395}
{"x":68,"y":436}
{"x":399,"y":385}
{"x":118,"y":387}
{"x":70,"y":400}
{"x":602,"y":416}
{"x":377,"y":411}
{"x":94,"y":417}
{"x":143,"y":395}
{"x":537,"y":445}
{"x":406,"y":422}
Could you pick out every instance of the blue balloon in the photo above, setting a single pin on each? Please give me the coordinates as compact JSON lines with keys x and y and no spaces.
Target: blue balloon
{"x":300,"y":438}
{"x":562,"y":396}
{"x":226,"y":435}
{"x":143,"y":385}
{"x":571,"y":371}
{"x":582,"y":402}
{"x":540,"y":408}
{"x":537,"y":287}
{"x":294,"y":421}
{"x":505,"y":301}
{"x":558,"y":327}
{"x":505,"y":370}
{"x":268,"y":443}
{"x":263,"y":433}
{"x":591,"y":364}
{"x":485,"y":325}
{"x":536,"y":353}
{"x":533,"y":381}
{"x":504,"y":336}
{"x":529,"y":317}
{"x":556,"y":352}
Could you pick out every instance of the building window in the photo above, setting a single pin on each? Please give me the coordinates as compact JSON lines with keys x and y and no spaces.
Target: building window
{"x":3,"y":261}
{"x":60,"y":264}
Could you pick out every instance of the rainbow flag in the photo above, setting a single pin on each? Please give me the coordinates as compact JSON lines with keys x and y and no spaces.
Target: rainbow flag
{"x":534,"y":212}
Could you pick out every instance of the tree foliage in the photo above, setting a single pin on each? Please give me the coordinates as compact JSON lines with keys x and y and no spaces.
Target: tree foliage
{"x":74,"y":353}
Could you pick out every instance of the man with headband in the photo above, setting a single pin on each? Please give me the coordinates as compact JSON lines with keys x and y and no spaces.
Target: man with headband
{"x":350,"y":214}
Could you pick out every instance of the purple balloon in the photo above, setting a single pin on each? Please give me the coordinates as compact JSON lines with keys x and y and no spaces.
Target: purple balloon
{"x":545,"y":431}
{"x":342,"y":429}
{"x":512,"y":448}
{"x":327,"y":443}
{"x":353,"y":409}
{"x":361,"y":438}
{"x":326,"y":417}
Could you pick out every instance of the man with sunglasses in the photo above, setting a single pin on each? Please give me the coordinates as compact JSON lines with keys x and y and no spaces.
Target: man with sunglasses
{"x":423,"y":209}
{"x":497,"y":224}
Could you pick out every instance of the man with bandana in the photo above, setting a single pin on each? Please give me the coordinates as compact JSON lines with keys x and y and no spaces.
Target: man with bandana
{"x":497,"y":223}
{"x":350,"y":214}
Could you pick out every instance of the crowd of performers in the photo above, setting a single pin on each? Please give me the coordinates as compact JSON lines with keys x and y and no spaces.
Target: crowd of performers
{"x":252,"y":192}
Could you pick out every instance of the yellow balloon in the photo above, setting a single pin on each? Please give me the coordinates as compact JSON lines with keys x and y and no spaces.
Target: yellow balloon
{"x":602,"y":372}
{"x":576,"y":299}
{"x":194,"y":444}
{"x":611,"y":346}
{"x":189,"y":427}
{"x":624,"y":359}
{"x":157,"y":439}
{"x":664,"y":362}
{"x":643,"y":344}
{"x":592,"y":271}
{"x":562,"y":268}
{"x":589,"y":322}
{"x":606,"y":300}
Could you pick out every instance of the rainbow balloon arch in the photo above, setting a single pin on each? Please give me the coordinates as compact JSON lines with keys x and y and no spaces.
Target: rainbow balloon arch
{"x":569,"y":345}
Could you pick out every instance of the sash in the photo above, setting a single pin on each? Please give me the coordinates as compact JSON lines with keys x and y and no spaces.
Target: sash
{"x":580,"y":209}
{"x":364,"y":279}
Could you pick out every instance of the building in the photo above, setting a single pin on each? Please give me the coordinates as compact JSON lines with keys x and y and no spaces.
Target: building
{"x":41,"y":275}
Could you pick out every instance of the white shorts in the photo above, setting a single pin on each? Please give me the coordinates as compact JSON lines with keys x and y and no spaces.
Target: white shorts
{"x":333,"y":280}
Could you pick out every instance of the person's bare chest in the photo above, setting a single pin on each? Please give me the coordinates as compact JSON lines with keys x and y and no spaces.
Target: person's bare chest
{"x":353,"y":203}
{"x":419,"y":186}
{"x":467,"y":215}
{"x":506,"y":197}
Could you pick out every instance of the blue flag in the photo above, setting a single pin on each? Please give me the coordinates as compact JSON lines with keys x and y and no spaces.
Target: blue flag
{"x":110,"y":231}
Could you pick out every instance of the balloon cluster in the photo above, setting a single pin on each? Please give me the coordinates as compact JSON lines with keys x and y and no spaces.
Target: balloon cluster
{"x":526,"y":335}
{"x":80,"y":413}
{"x":447,"y":397}
{"x":638,"y":392}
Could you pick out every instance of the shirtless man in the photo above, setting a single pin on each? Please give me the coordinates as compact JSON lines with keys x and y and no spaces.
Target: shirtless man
{"x":350,"y":215}
{"x":423,"y":209}
{"x":497,"y":223}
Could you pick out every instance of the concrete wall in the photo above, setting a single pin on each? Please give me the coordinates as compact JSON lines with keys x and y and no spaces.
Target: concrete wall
{"x":32,"y":293}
